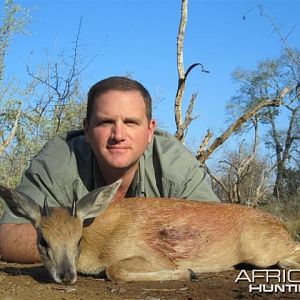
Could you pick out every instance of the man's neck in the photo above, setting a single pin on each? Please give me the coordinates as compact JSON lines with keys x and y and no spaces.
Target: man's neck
{"x":113,"y":175}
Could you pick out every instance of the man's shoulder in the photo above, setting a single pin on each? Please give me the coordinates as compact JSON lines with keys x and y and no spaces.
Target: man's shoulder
{"x":164,"y":136}
{"x":169,"y":147}
{"x":173,"y":158}
{"x":64,"y":143}
{"x":63,"y":150}
{"x":172,"y":170}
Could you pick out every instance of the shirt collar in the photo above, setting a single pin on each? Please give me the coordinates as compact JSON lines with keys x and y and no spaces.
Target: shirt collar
{"x":136,"y":189}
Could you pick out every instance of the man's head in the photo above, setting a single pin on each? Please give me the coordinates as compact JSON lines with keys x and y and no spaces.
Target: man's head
{"x":119,"y":124}
{"x":117,"y":83}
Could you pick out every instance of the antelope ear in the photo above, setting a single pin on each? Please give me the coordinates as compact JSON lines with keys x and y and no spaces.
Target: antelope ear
{"x":95,"y":202}
{"x":20,"y":204}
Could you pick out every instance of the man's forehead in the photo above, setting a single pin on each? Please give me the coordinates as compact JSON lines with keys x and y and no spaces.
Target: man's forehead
{"x":135,"y":93}
{"x":120,"y":101}
{"x":123,"y":115}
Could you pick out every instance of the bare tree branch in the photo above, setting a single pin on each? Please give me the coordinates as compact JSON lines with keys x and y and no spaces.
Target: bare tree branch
{"x":8,"y":140}
{"x":239,"y":122}
{"x":244,"y":179}
{"x":180,"y":67}
{"x":283,"y":38}
{"x":219,"y":182}
{"x":204,"y":144}
{"x":181,"y":125}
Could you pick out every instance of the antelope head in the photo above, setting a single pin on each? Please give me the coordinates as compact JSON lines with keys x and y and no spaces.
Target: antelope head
{"x":59,"y":229}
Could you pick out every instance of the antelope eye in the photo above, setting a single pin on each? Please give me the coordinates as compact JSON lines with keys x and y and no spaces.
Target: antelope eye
{"x":43,"y":243}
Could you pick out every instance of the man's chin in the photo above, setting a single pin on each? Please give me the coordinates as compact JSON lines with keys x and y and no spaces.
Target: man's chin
{"x":124,"y":167}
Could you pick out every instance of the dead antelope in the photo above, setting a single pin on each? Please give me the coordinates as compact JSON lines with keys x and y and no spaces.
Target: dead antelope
{"x":152,"y":239}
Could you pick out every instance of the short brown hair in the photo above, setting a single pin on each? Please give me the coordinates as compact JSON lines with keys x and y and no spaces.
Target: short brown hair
{"x":117,"y":83}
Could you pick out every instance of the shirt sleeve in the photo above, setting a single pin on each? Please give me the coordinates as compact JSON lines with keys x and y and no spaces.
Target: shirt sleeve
{"x":37,"y":184}
{"x":48,"y":176}
{"x":196,"y":186}
{"x":182,"y":175}
{"x":30,"y":187}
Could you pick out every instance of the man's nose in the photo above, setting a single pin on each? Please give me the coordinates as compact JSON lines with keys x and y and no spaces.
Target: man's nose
{"x":118,"y":132}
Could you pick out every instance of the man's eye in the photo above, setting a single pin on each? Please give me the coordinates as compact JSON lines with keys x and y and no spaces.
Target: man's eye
{"x":131,"y":122}
{"x":104,"y":123}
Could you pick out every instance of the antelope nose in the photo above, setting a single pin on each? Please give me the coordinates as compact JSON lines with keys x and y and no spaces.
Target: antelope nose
{"x":68,"y":277}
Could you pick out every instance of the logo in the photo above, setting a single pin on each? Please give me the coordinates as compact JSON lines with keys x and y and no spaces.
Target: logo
{"x":271,"y":280}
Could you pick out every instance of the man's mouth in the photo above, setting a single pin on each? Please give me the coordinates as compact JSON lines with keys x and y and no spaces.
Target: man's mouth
{"x":117,"y":148}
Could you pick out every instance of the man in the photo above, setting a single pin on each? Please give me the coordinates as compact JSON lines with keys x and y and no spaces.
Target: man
{"x":120,"y":140}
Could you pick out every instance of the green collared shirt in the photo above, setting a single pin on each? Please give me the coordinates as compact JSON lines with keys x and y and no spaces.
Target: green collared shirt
{"x":66,"y":168}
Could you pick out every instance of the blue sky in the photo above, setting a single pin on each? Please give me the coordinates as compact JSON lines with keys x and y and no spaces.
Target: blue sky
{"x":139,"y":37}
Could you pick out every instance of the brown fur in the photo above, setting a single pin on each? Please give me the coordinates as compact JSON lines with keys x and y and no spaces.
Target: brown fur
{"x":148,"y":239}
{"x":205,"y":237}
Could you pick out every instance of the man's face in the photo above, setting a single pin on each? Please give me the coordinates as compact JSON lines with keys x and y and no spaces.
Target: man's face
{"x":118,"y":130}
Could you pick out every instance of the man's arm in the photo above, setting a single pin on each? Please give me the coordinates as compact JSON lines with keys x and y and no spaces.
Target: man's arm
{"x":197,"y":185}
{"x":182,"y":175}
{"x":18,"y":243}
{"x":50,"y":176}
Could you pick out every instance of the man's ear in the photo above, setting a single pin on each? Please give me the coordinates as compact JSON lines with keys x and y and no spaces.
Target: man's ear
{"x":152,"y":127}
{"x":85,"y":127}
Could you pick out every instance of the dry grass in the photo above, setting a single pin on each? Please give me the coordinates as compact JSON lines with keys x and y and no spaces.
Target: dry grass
{"x":288,"y":211}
